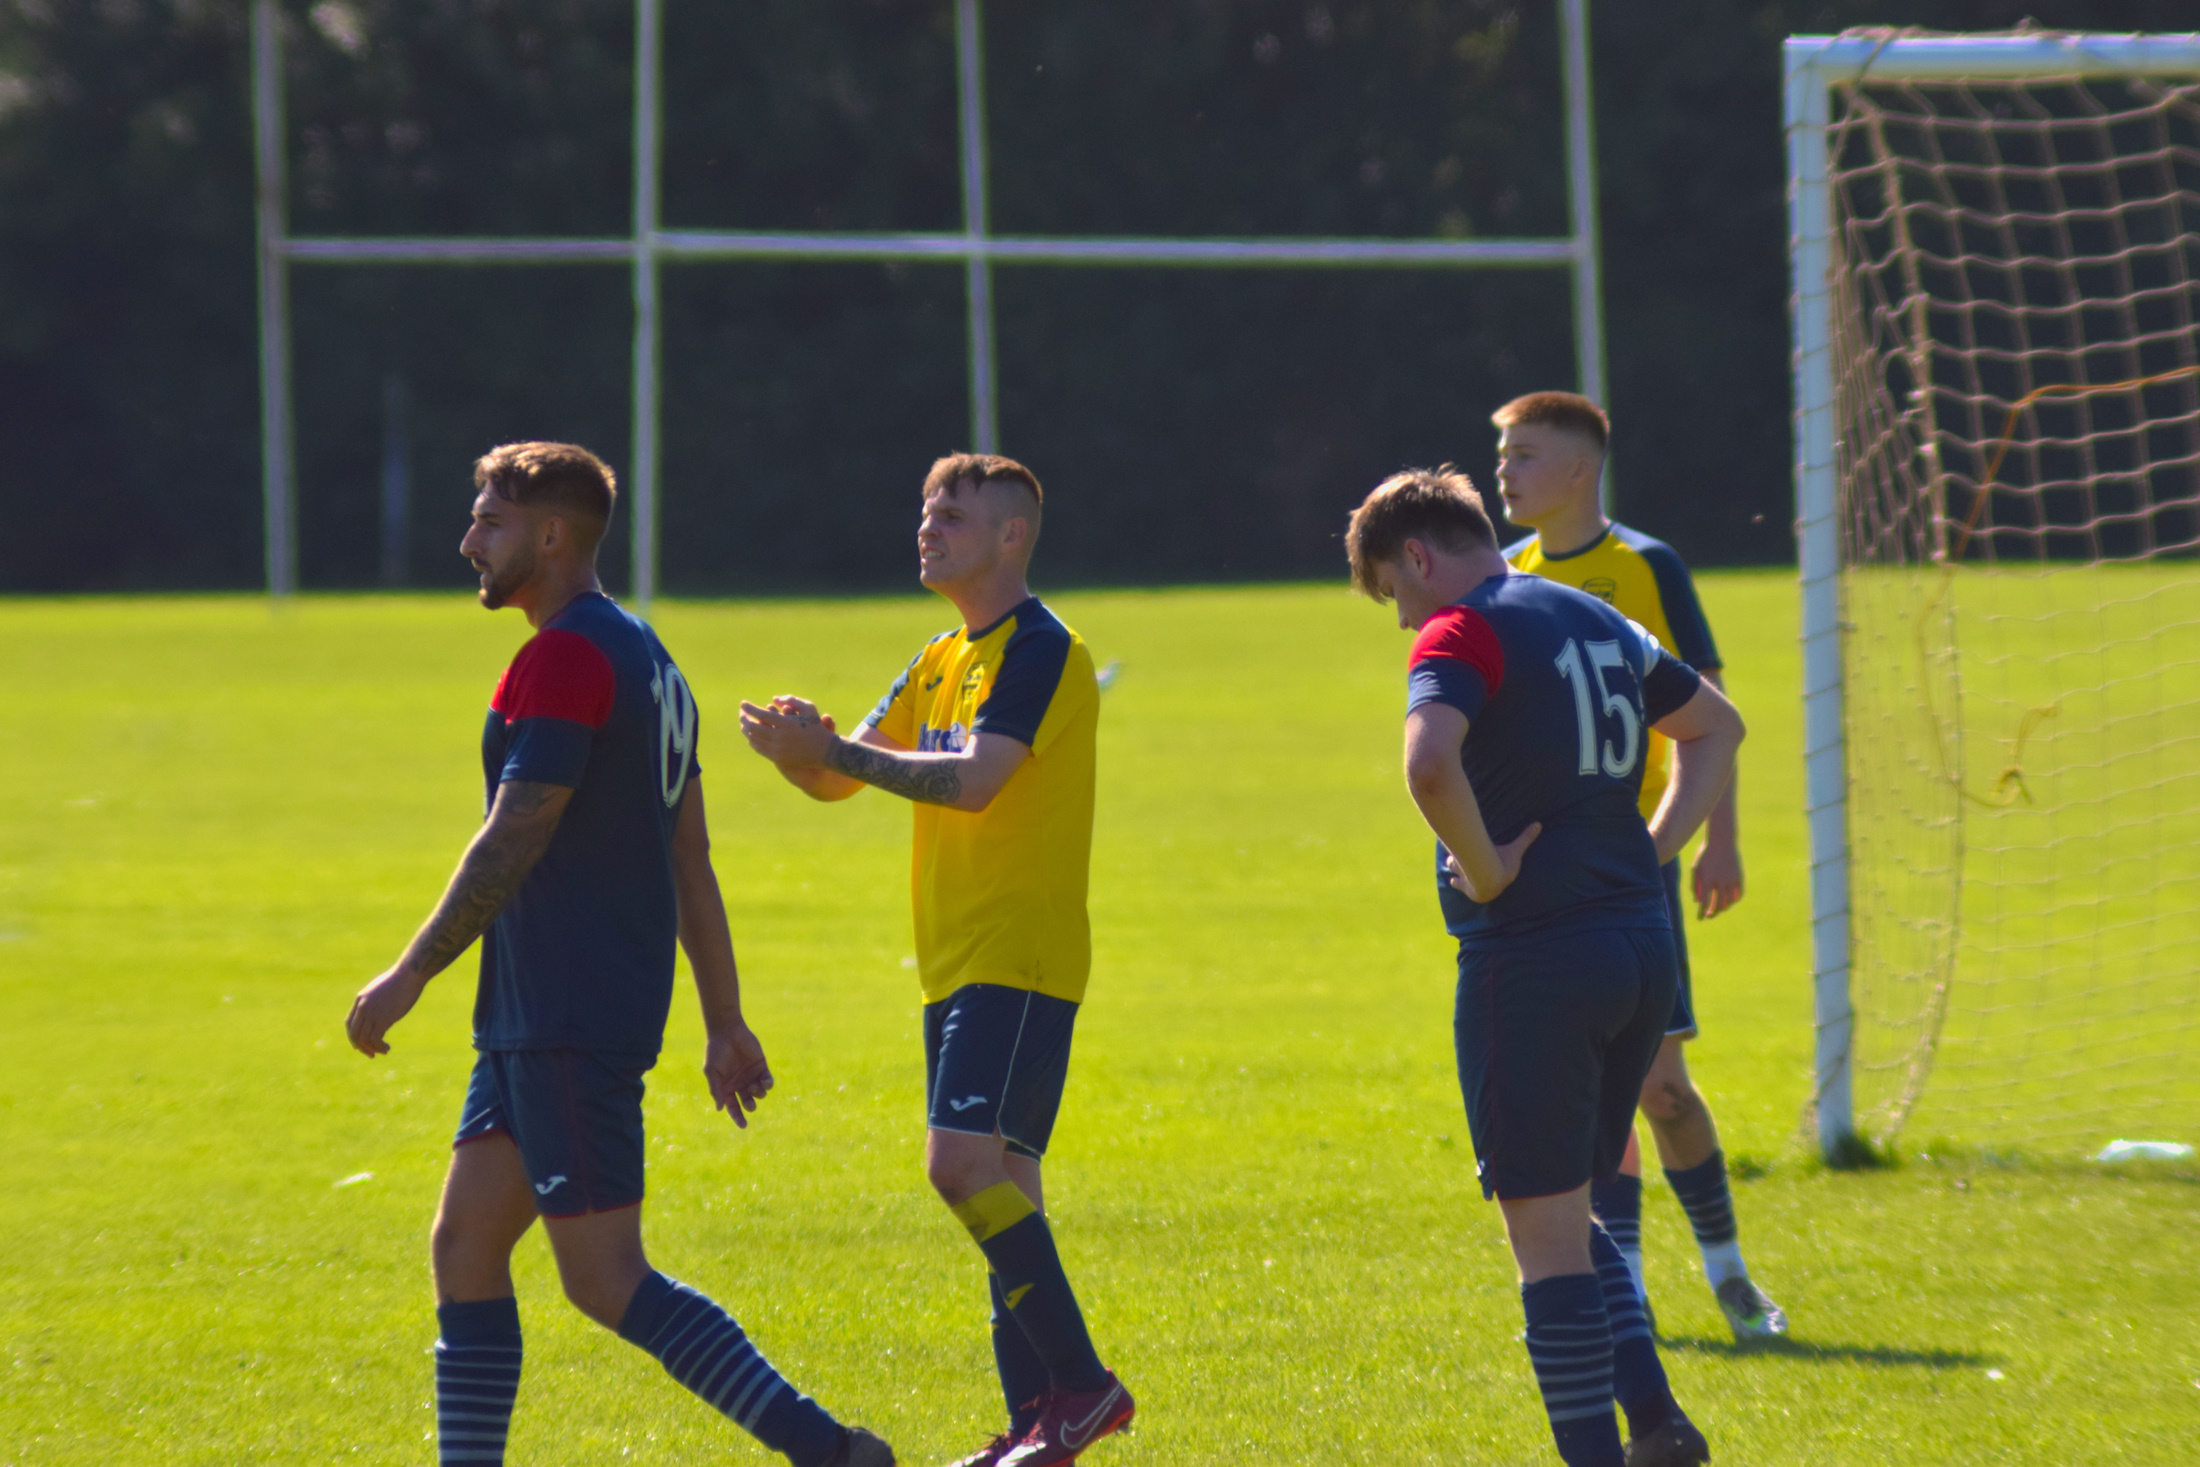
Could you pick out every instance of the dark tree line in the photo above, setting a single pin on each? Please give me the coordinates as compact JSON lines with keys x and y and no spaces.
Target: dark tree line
{"x":1191,"y":425}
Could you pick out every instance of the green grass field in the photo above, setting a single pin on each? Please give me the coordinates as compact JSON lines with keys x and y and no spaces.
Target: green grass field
{"x":217,"y":821}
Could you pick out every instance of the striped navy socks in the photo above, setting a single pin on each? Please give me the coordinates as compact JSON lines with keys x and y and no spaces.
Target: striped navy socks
{"x":1570,"y":1346}
{"x":1638,"y":1377}
{"x":477,"y":1357}
{"x":1709,"y":1203}
{"x":702,"y":1348}
{"x":1618,"y":1205}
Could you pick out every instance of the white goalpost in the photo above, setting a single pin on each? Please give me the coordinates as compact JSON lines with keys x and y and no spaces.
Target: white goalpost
{"x":975,"y":246}
{"x":1995,"y":243}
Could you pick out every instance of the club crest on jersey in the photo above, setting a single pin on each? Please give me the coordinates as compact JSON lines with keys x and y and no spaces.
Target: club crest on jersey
{"x":948,"y":740}
{"x":973,"y":679}
{"x":1604,"y":588}
{"x":675,"y":731}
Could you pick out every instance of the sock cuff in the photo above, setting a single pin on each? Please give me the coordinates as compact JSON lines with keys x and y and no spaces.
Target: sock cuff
{"x":1561,"y":1295}
{"x":478,"y":1322}
{"x":1705,"y":1173}
{"x":645,"y":1312}
{"x":993,"y":1211}
{"x":1621,"y":1194}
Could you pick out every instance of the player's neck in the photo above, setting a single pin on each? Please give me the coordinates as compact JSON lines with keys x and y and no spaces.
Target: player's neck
{"x":986,"y":603}
{"x":555,"y":590}
{"x":1571,"y":528}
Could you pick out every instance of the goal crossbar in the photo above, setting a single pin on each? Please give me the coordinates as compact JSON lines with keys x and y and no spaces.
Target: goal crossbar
{"x":1814,"y":66}
{"x":975,"y":247}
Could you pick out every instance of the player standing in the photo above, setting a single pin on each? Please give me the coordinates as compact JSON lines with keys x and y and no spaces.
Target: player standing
{"x":593,"y":859}
{"x":1550,"y":454}
{"x":989,"y":733}
{"x":1527,"y":711}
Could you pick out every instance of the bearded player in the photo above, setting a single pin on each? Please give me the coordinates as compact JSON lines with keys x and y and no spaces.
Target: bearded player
{"x":989,"y":734}
{"x":593,"y":860}
{"x":1550,"y":454}
{"x":1527,"y":708}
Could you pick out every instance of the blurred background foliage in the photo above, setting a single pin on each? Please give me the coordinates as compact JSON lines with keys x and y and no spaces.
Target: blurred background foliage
{"x":1190,"y":425}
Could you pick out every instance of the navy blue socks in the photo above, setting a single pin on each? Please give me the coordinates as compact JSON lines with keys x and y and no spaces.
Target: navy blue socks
{"x":1570,"y":1345}
{"x":702,"y":1348}
{"x":477,"y":1357}
{"x":1709,"y":1203}
{"x":1618,"y":1205}
{"x":1019,"y":1246}
{"x":1024,"y":1377}
{"x":1638,"y":1377}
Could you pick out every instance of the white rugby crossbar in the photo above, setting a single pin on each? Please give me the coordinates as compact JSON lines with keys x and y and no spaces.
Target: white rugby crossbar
{"x":1814,"y":65}
{"x":976,"y":246}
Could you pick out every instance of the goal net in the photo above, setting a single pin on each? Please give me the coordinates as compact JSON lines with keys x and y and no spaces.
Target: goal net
{"x":2014,"y":285}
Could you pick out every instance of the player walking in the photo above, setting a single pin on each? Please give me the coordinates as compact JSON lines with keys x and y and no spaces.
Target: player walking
{"x":1550,"y":452}
{"x":1524,"y":741}
{"x":989,"y":734}
{"x":594,"y":857}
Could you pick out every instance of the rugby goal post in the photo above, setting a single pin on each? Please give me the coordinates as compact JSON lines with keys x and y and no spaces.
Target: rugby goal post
{"x":975,"y":247}
{"x":1995,"y":243}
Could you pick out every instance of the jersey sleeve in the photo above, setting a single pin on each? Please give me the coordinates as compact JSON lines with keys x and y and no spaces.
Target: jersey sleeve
{"x":1033,"y":666}
{"x":553,"y":698}
{"x":1667,"y":682}
{"x":1456,"y":660}
{"x":896,"y":713}
{"x":1683,"y":612}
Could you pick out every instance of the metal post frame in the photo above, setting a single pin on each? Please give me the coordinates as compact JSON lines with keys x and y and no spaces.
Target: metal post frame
{"x":279,"y":514}
{"x":1814,"y":65}
{"x":975,"y":246}
{"x":1581,"y":213}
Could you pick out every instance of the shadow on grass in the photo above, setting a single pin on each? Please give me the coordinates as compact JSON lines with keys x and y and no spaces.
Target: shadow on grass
{"x":1788,"y":1349}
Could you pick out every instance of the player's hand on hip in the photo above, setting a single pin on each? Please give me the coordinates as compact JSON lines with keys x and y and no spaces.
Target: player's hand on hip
{"x":792,"y":733}
{"x":1716,"y":878}
{"x":739,"y":1075}
{"x":378,"y":1008}
{"x":1508,"y":865}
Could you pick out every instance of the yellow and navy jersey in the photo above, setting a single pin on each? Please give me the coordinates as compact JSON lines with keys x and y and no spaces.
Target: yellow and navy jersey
{"x":1000,"y":894}
{"x":1645,"y":582}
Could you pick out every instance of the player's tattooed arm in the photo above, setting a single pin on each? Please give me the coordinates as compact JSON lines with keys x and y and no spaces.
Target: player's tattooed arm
{"x":506,"y":848}
{"x":932,"y":780}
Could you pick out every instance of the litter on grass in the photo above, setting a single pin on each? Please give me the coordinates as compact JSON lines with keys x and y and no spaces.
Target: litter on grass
{"x":2144,"y":1151}
{"x":354,"y":1179}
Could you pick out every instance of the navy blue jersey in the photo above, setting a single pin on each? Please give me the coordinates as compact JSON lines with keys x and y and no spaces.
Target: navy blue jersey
{"x":1559,"y":691}
{"x":581,"y":956}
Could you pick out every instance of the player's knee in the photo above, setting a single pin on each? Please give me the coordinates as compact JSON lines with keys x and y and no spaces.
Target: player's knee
{"x":1669,"y":1100}
{"x":952,"y":1174}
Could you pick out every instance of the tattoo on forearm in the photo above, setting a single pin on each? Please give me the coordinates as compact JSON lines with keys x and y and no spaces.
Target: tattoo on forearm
{"x":489,"y":873}
{"x":932,"y":781}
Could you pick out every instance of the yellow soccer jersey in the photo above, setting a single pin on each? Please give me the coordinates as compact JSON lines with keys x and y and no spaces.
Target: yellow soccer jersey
{"x":1000,"y":895}
{"x":1645,"y":582}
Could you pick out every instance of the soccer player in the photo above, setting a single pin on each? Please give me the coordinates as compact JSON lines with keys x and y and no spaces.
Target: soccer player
{"x":1527,"y":712}
{"x":989,"y":734}
{"x":593,"y":859}
{"x":1550,"y":453}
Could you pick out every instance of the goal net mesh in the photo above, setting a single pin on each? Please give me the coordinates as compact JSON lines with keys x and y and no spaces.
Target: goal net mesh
{"x":2016,"y":283}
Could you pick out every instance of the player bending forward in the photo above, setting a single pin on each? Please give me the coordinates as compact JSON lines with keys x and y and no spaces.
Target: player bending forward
{"x":1525,"y":729}
{"x":989,"y":733}
{"x":1550,"y":453}
{"x":593,"y":859}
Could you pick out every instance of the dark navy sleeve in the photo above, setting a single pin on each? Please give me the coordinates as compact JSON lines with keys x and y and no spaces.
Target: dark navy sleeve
{"x":553,"y":698}
{"x":901,"y":685}
{"x":1683,"y":612}
{"x":1456,"y":660}
{"x":1667,"y":686}
{"x":1031,"y":669}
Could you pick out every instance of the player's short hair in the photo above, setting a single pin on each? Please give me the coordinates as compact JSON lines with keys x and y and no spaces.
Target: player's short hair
{"x":1569,"y":412}
{"x":561,"y":476}
{"x":1439,"y":507}
{"x":981,"y":468}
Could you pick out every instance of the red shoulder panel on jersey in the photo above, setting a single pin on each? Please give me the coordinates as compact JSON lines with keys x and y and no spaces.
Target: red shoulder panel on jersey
{"x":558,"y":674}
{"x":1463,"y":635}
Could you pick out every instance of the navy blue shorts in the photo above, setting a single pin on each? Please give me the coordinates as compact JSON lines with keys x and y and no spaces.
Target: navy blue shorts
{"x":995,"y":1061}
{"x":1555,"y":1037}
{"x":1683,"y":1023}
{"x":576,"y":1116}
